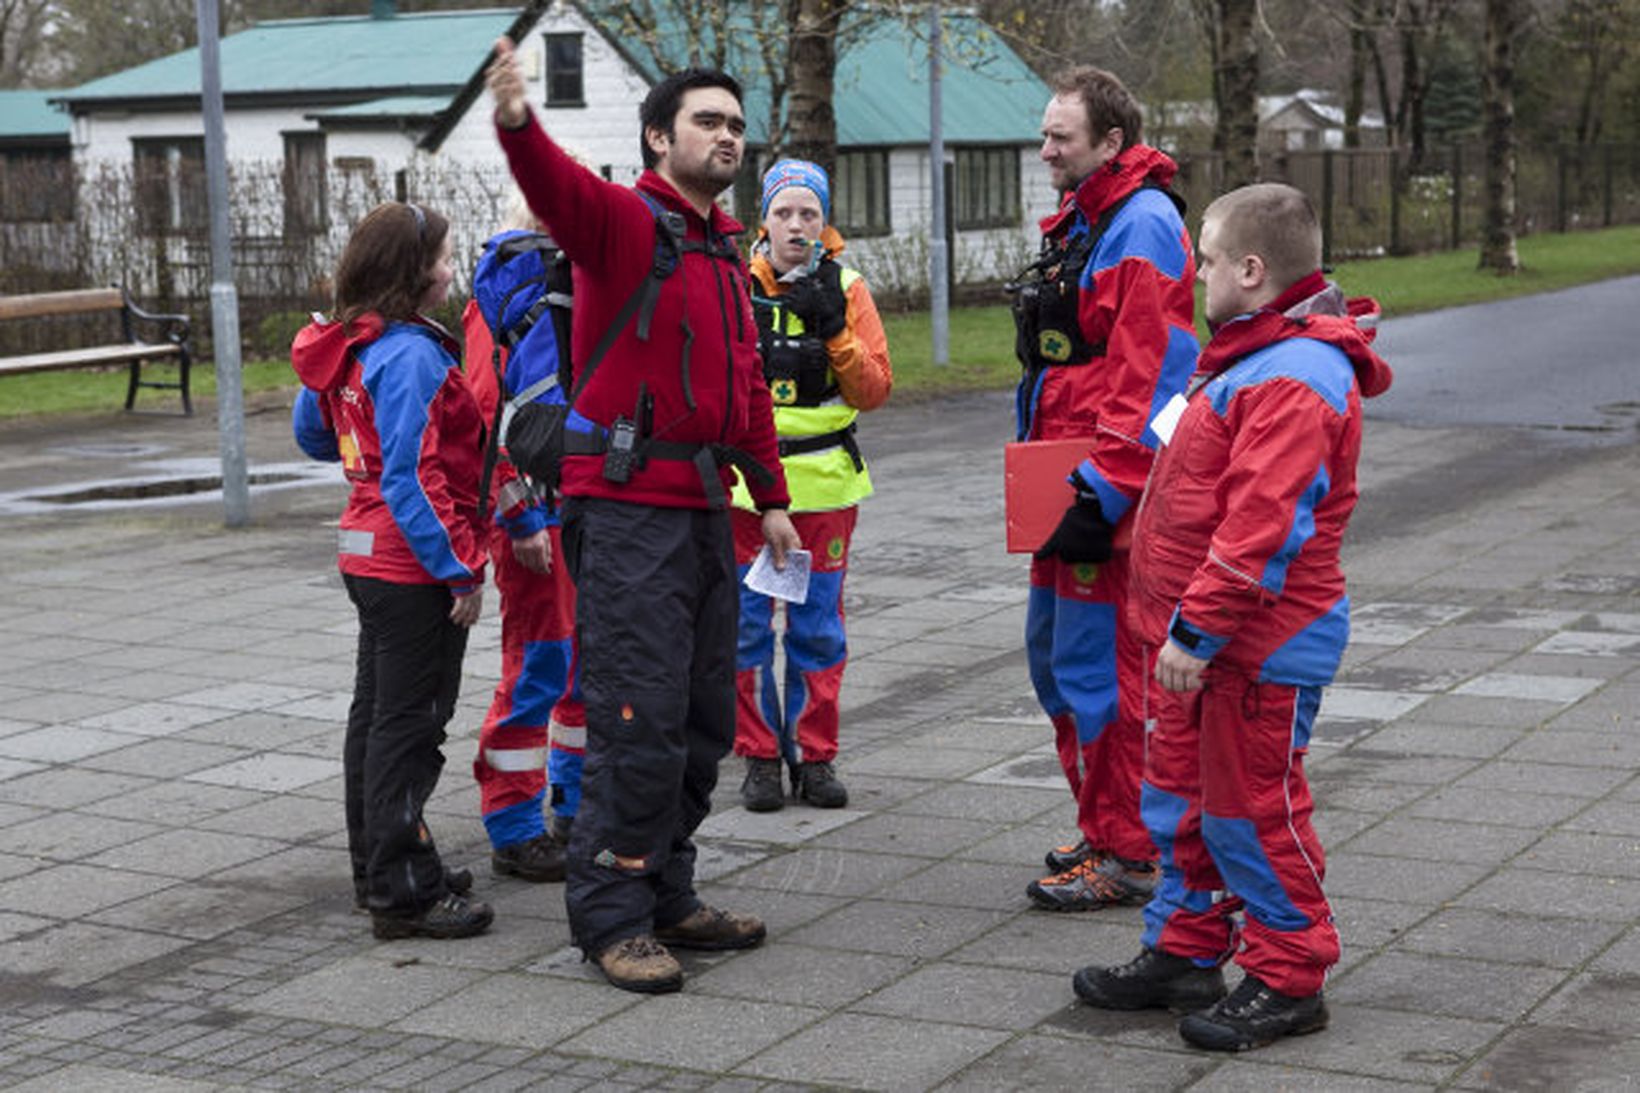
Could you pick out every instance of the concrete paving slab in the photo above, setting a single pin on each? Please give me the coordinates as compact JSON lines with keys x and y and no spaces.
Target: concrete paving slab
{"x":1509,"y":937}
{"x":371,"y":993}
{"x":702,"y":1034}
{"x":862,"y":1052}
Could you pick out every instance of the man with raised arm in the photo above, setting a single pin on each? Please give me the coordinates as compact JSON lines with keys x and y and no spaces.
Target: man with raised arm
{"x":668,"y":395}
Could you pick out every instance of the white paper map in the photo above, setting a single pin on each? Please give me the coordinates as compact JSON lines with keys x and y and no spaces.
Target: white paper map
{"x":790,"y":584}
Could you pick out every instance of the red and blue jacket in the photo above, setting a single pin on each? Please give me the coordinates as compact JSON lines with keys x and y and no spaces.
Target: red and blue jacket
{"x":518,"y":511}
{"x":1137,"y":300}
{"x":700,"y":364}
{"x":390,"y":403}
{"x":1236,"y":544}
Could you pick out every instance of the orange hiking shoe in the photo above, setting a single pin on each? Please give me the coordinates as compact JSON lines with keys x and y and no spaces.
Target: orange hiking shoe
{"x":1096,"y":883}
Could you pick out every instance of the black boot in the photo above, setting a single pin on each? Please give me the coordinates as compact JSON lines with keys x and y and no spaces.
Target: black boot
{"x":818,"y":785}
{"x":763,"y":790}
{"x":536,"y":860}
{"x":1152,"y":980}
{"x":1254,"y":1015}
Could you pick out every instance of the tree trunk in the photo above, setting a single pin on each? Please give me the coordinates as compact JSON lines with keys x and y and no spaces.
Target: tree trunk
{"x":811,"y":122}
{"x":1355,"y":96}
{"x":1498,"y":226}
{"x":1238,"y":91}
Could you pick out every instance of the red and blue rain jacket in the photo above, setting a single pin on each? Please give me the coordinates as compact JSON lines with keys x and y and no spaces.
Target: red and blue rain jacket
{"x":390,"y":403}
{"x":1137,"y":300}
{"x":1236,"y":545}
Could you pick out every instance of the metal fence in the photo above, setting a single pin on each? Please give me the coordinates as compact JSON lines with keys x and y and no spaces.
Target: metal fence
{"x":1372,"y":204}
{"x":1369,"y":200}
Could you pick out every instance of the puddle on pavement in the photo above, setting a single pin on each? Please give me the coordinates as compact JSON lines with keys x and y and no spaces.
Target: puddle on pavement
{"x":166,"y":481}
{"x":162,"y":487}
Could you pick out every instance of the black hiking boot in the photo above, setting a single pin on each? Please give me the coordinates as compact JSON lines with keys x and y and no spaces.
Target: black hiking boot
{"x":538,"y":860}
{"x":459,"y":881}
{"x":1253,"y":1015}
{"x":818,"y":785}
{"x":1152,"y":980}
{"x":763,"y":790}
{"x":451,"y":917}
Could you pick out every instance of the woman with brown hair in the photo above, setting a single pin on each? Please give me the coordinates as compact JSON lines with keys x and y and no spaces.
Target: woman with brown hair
{"x":383,"y":394}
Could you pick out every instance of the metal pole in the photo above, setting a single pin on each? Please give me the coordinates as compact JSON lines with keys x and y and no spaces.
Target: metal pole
{"x":939,"y":260}
{"x":230,"y":397}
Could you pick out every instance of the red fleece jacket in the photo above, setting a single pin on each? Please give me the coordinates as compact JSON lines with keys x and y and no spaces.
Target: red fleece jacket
{"x":700,"y":363}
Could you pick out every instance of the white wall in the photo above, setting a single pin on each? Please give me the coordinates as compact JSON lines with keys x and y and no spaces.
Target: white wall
{"x":252,"y":134}
{"x":900,"y":261}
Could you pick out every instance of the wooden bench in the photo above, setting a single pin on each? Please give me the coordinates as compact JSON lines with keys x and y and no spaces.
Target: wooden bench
{"x":172,"y":334}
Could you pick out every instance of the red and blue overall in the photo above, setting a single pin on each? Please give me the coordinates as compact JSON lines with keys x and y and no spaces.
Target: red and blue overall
{"x":647,"y":537}
{"x":389,"y":402}
{"x":1103,"y":375}
{"x":1236,"y":561}
{"x":818,"y":388}
{"x":534,"y":734}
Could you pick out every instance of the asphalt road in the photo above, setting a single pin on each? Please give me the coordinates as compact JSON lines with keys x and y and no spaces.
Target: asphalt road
{"x":1562,"y":361}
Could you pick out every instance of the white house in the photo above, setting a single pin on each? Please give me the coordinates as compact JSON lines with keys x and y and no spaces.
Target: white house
{"x":327,"y":116}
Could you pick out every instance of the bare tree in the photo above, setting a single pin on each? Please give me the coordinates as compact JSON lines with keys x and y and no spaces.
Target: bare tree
{"x":22,"y":25}
{"x":1600,"y":38}
{"x":1498,"y":227}
{"x":812,"y":71}
{"x":1234,"y":51}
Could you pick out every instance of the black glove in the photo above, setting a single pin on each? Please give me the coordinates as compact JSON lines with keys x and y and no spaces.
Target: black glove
{"x":819,"y":301}
{"x":1083,"y":534}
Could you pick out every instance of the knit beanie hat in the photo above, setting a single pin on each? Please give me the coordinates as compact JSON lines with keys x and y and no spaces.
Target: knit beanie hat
{"x":796,"y":172}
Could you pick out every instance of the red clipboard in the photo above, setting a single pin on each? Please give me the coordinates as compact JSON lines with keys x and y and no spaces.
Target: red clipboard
{"x":1035,"y":487}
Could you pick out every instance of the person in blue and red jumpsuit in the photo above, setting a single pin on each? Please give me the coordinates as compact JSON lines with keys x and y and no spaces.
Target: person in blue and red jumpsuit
{"x":826,"y":358}
{"x":383,"y":394}
{"x":534,"y":734}
{"x":1105,"y":333}
{"x":1238,"y":590}
{"x":678,"y":397}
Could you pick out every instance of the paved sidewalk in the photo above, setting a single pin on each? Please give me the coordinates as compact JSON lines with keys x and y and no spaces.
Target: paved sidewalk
{"x":174,"y":901}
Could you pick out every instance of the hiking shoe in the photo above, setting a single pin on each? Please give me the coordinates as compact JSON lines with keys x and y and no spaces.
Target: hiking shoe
{"x":453,"y":916}
{"x":763,"y":790}
{"x":558,"y":827}
{"x":459,"y":881}
{"x":1252,"y":1016}
{"x":1062,"y":859}
{"x":1152,"y":980}
{"x":713,"y":929}
{"x":640,"y":964}
{"x":818,"y":785}
{"x":1096,"y":883}
{"x":536,"y":860}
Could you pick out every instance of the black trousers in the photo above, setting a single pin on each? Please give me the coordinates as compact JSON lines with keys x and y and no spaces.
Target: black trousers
{"x":656,"y":608}
{"x":404,"y":693}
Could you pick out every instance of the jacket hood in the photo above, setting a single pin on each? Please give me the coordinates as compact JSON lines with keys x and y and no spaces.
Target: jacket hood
{"x":1124,"y":173}
{"x":651,"y":183}
{"x":1326,"y":315}
{"x":323,"y":349}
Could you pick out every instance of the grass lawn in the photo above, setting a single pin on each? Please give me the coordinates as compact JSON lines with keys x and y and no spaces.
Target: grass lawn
{"x":982,"y":338}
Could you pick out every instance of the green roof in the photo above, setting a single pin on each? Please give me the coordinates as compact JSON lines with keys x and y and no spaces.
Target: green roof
{"x":428,"y":51}
{"x":27,"y":114}
{"x":394,"y":106}
{"x":880,"y":90}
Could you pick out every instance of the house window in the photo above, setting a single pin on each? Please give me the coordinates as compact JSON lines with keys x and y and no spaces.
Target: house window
{"x":170,"y":179}
{"x":564,"y":72}
{"x":987,"y":188}
{"x":36,"y":186}
{"x":305,"y":184}
{"x":859,"y":193}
